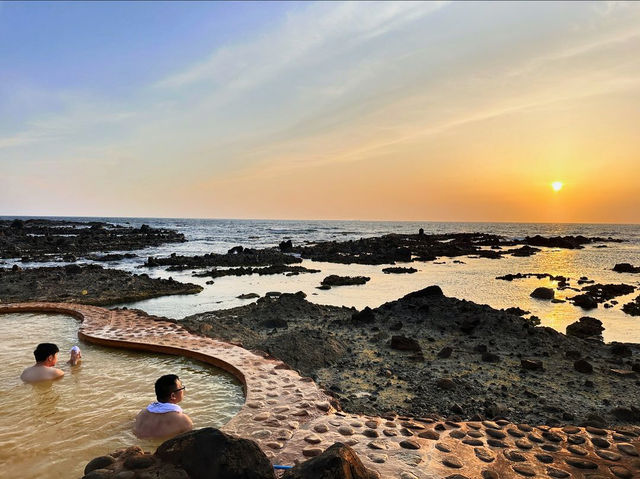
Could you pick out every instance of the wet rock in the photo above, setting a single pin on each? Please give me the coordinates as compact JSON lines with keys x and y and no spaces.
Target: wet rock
{"x":337,"y":462}
{"x":285,"y":246}
{"x":567,"y":242}
{"x":585,"y":301}
{"x":399,"y":270}
{"x":543,"y":293}
{"x":99,"y":474}
{"x":239,"y":257}
{"x":100,"y":462}
{"x":632,"y":308}
{"x":586,"y":327}
{"x":626,"y":268}
{"x":271,"y":269}
{"x":248,"y":296}
{"x":335,"y":280}
{"x":606,"y":292}
{"x":209,"y":452}
{"x":141,"y":461}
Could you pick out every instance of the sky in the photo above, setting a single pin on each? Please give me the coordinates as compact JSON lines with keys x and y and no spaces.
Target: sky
{"x":435,"y":111}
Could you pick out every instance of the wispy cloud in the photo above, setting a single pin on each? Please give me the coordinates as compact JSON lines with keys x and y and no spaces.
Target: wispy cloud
{"x":316,"y":29}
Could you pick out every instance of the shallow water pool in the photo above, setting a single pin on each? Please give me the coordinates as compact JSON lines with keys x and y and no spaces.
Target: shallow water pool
{"x":51,"y":430}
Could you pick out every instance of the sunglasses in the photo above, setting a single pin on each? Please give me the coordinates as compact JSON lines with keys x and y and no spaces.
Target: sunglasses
{"x":179,"y":389}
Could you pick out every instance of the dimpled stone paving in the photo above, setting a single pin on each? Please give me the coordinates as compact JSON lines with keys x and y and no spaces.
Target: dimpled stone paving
{"x":292,"y":419}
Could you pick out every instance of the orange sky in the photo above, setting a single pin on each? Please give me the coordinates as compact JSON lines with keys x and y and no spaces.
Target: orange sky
{"x":390,"y":111}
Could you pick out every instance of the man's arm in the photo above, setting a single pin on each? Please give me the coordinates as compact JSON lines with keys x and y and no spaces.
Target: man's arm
{"x":187,"y":424}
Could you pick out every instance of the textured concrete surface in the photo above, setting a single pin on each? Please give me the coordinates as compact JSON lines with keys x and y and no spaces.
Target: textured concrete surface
{"x":292,"y":419}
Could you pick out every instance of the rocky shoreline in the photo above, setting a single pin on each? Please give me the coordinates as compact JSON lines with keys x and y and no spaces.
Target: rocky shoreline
{"x":426,"y":354}
{"x":42,"y":240}
{"x":87,"y":284}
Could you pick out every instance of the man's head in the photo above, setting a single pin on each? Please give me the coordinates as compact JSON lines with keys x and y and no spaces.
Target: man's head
{"x":46,"y":353}
{"x":169,"y":388}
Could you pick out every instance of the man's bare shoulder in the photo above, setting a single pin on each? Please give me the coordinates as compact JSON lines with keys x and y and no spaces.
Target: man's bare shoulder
{"x":36,"y":374}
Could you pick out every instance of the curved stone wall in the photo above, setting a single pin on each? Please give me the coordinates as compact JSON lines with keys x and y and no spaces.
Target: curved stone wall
{"x":292,"y":419}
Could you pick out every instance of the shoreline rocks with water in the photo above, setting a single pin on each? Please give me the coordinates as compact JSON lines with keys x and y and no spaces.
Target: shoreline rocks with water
{"x":237,"y":256}
{"x":61,"y":240}
{"x":87,"y":284}
{"x":261,"y":271}
{"x":392,"y":248}
{"x":471,"y":361}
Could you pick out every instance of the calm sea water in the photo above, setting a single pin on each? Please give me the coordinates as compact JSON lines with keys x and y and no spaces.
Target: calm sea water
{"x":474,"y":280}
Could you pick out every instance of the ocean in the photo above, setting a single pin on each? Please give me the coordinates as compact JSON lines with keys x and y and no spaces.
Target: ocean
{"x":473,"y":279}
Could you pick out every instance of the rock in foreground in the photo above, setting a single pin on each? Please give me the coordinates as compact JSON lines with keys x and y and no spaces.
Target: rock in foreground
{"x":201,"y":454}
{"x":209,"y":452}
{"x":337,"y":462}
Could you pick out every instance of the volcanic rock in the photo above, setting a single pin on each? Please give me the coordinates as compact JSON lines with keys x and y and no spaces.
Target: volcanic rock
{"x":626,"y":268}
{"x":583,"y":366}
{"x":542,"y":293}
{"x":402,"y":343}
{"x":337,"y":462}
{"x":586,"y":327}
{"x":335,"y":280}
{"x":585,"y":301}
{"x":209,"y":452}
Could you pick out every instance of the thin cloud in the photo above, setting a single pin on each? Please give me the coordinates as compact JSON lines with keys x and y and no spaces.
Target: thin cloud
{"x":303,"y":34}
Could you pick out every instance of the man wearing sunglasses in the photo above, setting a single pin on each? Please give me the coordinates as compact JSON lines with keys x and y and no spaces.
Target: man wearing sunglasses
{"x":164,"y":418}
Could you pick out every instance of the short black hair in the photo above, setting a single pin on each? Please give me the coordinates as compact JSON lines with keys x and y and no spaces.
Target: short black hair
{"x":165,"y":385}
{"x":44,"y":350}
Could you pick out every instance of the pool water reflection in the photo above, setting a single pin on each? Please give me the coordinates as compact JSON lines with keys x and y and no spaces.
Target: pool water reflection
{"x":52,"y":429}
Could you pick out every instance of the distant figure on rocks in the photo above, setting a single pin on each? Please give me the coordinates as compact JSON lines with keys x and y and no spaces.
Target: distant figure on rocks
{"x":163,"y":418}
{"x":76,"y":356}
{"x":46,"y":355}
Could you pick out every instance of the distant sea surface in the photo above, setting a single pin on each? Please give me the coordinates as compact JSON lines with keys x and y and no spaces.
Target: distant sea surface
{"x":473,"y":280}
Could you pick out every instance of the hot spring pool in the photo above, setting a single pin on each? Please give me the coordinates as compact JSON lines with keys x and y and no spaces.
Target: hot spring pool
{"x":51,"y":430}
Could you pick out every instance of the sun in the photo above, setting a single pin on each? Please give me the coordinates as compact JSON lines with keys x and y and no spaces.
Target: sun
{"x":557,"y":185}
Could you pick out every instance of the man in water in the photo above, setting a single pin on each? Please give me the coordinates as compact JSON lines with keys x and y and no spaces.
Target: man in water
{"x":46,"y":355}
{"x":163,"y":418}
